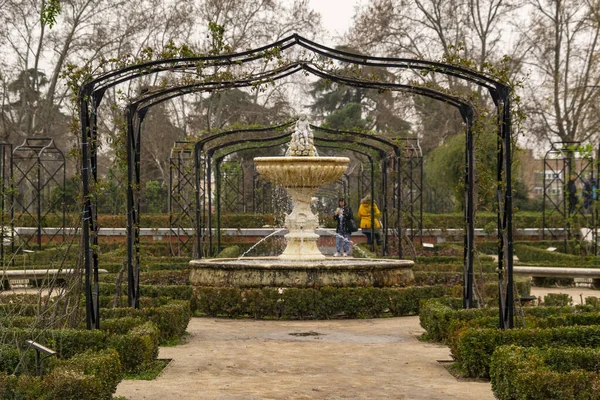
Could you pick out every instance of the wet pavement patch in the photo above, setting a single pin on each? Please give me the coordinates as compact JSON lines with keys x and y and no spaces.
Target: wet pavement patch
{"x":306,"y":334}
{"x":333,"y":336}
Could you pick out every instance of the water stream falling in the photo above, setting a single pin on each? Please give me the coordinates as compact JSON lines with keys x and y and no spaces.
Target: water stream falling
{"x":261,"y":240}
{"x":350,"y":242}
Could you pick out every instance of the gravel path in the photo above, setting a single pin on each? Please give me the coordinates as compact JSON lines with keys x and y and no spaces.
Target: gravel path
{"x":341,"y":359}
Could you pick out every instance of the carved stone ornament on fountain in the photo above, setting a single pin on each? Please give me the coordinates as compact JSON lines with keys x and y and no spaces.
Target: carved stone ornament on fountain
{"x":301,"y":172}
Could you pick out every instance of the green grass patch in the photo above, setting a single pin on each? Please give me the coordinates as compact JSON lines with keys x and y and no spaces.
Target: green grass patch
{"x":151,"y":372}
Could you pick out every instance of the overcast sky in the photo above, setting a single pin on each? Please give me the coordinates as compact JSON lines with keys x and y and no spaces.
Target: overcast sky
{"x":336,"y":15}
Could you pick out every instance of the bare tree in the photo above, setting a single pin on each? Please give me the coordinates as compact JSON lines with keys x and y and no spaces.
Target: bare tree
{"x":564,"y":89}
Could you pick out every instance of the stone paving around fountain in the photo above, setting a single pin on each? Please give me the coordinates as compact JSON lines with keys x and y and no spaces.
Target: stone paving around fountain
{"x":247,"y":359}
{"x":339,"y":359}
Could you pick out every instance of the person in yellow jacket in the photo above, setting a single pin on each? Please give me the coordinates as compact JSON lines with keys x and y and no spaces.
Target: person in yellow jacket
{"x":364,"y":212}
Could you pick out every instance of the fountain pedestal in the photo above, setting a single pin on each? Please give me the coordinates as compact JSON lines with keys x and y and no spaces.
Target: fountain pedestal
{"x":301,"y":176}
{"x":301,"y":223}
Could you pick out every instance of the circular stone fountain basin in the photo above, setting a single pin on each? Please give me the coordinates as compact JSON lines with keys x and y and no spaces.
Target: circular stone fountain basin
{"x":274,"y":272}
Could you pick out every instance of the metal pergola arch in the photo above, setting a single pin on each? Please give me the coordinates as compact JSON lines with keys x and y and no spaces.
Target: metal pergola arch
{"x":91,"y":94}
{"x":401,"y":172}
{"x":382,"y":157}
{"x":201,"y":164}
{"x":357,"y":138}
{"x":265,"y":143}
{"x":236,"y":142}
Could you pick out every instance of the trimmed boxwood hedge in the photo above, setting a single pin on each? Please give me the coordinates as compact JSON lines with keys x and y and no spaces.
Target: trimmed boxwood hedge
{"x":175,"y":292}
{"x":171,"y":277}
{"x":444,"y":278}
{"x":438,"y":315}
{"x":171,"y":319}
{"x":86,"y":376}
{"x":531,"y":254}
{"x":107,"y":302}
{"x":326,"y":302}
{"x":137,"y":348}
{"x":473,"y":348}
{"x":545,"y":374}
{"x":13,"y":360}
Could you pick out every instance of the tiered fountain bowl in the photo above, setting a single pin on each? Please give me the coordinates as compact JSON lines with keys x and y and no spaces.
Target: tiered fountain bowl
{"x":301,"y":264}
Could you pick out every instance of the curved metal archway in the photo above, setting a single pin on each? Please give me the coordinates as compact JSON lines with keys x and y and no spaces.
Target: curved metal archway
{"x":279,"y":143}
{"x":91,"y":93}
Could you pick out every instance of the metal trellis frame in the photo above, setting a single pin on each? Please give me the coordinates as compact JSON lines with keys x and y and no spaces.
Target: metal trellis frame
{"x":566,"y":173}
{"x":181,"y":198}
{"x":39,"y":177}
{"x":233,"y":189}
{"x":7,"y":223}
{"x":411,"y":170}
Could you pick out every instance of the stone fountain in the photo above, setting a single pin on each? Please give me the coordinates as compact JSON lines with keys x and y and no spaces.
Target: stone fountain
{"x":302,"y":264}
{"x":302,"y":172}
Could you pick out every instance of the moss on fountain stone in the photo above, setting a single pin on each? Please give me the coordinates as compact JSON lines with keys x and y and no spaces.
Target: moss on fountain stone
{"x":273,"y":272}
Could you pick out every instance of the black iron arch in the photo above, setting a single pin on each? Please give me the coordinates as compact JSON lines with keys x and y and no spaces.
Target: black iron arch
{"x":382,"y":157}
{"x":380,"y":149}
{"x":397,"y":148}
{"x":136,"y":113}
{"x":265,"y":143}
{"x":280,"y":142}
{"x":194,"y":64}
{"x":91,"y":93}
{"x":212,"y":150}
{"x":199,"y":149}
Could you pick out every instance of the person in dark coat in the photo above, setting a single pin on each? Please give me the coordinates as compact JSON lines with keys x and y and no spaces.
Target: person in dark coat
{"x":572,"y":194}
{"x":342,"y":216}
{"x":589,"y":192}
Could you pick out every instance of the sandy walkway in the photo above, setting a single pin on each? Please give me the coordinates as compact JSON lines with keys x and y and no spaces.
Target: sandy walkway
{"x":343,"y":359}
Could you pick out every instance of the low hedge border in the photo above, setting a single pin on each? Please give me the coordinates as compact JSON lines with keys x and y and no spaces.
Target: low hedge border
{"x":437,"y":316}
{"x":545,"y":374}
{"x":322,"y":303}
{"x":86,"y":376}
{"x":171,"y":319}
{"x":137,"y":348}
{"x":175,"y":292}
{"x":445,"y":277}
{"x":473,"y":348}
{"x":528,"y":253}
{"x":164,"y":278}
